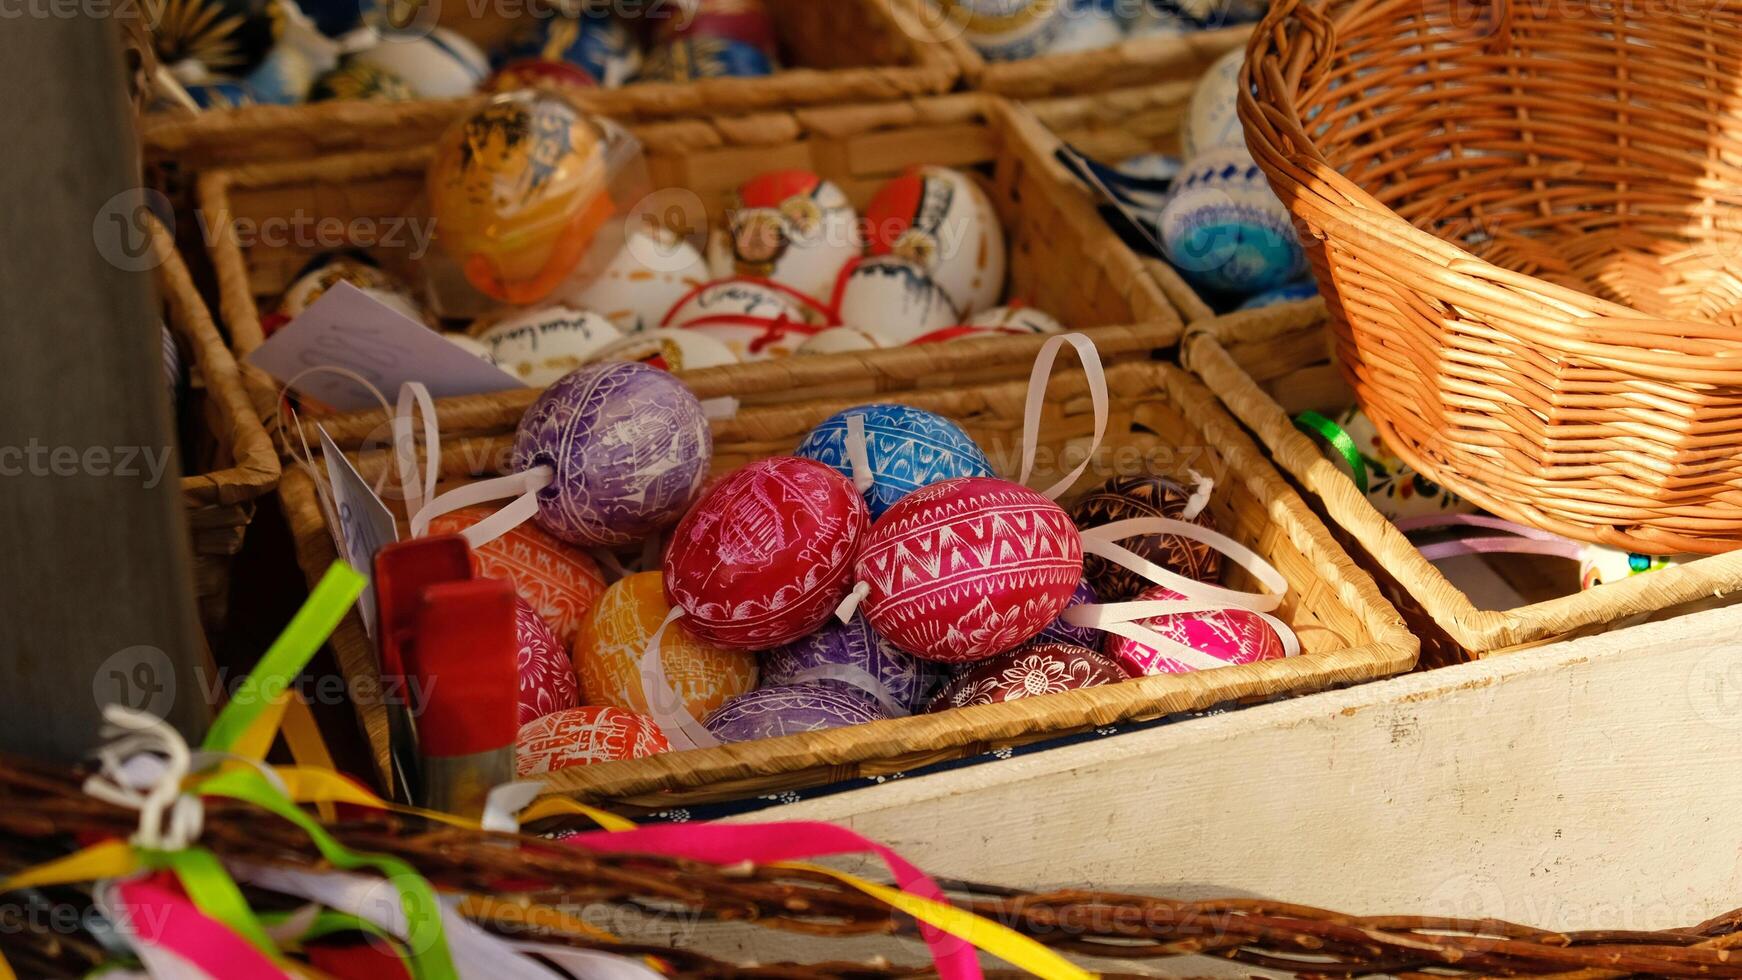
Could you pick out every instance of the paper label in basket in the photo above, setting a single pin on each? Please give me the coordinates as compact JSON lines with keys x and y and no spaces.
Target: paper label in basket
{"x":365,"y":525}
{"x":347,"y":328}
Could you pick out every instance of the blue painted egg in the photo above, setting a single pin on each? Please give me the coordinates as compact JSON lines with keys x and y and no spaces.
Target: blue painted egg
{"x":223,"y":93}
{"x":592,"y":41}
{"x":1291,"y":293}
{"x":907,"y":448}
{"x":1225,"y":230}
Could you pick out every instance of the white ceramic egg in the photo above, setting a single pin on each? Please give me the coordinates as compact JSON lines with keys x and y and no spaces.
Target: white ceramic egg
{"x":1007,"y":30}
{"x":647,"y":277}
{"x":893,"y":298}
{"x":1017,"y":319}
{"x":942,"y":221}
{"x":539,"y":346}
{"x":726,"y":300}
{"x":1211,"y":118}
{"x":795,"y":228}
{"x":669,"y":349}
{"x":1224,"y":229}
{"x":841,"y":340}
{"x":439,"y":65}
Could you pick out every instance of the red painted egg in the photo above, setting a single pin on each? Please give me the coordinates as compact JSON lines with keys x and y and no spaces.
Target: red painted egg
{"x":1040,"y":668}
{"x":968,"y":568}
{"x":584,"y":735}
{"x":766,"y":556}
{"x":561,"y":581}
{"x":1237,"y":636}
{"x":547,"y":679}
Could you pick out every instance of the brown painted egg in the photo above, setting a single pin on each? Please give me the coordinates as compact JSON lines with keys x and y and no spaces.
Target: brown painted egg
{"x":1042,"y":668}
{"x":1131,"y":497}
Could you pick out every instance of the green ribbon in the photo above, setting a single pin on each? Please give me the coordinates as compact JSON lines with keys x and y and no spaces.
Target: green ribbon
{"x":214,"y":892}
{"x":289,"y":654}
{"x":1315,"y":424}
{"x":327,"y":922}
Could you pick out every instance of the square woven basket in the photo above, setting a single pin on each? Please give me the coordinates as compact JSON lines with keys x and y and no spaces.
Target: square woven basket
{"x":1268,"y":365}
{"x":1162,"y":422}
{"x":838,"y":51}
{"x":231,"y":448}
{"x":1063,"y":257}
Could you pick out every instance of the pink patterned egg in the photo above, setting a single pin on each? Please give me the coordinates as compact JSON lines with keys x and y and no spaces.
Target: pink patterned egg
{"x":766,"y":555}
{"x":585,"y":735}
{"x":1039,"y":668}
{"x":1237,"y":636}
{"x":966,"y":568}
{"x":547,"y":679}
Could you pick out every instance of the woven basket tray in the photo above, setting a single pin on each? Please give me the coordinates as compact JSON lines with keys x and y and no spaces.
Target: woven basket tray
{"x":1267,"y":365}
{"x":841,"y":51}
{"x":1163,"y":422}
{"x":238,"y":457}
{"x":1063,"y":258}
{"x":1523,"y":217}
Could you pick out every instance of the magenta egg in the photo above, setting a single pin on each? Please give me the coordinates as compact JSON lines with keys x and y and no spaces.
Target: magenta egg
{"x":1237,"y":636}
{"x":966,"y":568}
{"x":547,"y":679}
{"x":766,"y":555}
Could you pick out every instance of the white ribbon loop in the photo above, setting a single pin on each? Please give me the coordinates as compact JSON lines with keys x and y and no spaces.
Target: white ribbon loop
{"x":850,"y":605}
{"x":859,"y":454}
{"x":1101,"y":541}
{"x":664,"y":705}
{"x":857,"y":677}
{"x":1037,"y":381}
{"x":414,"y":401}
{"x":1200,"y":498}
{"x":133,"y":776}
{"x":523,"y":487}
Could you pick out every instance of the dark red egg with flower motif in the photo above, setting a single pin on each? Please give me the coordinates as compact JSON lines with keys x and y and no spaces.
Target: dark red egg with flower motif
{"x":1132,"y":497}
{"x":1041,"y":668}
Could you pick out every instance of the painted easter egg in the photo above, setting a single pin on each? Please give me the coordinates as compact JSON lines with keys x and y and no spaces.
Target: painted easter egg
{"x":227,"y":37}
{"x":359,"y":80}
{"x":1211,"y":118}
{"x":558,"y":580}
{"x":771,"y":712}
{"x":966,"y":568}
{"x":1131,"y":497}
{"x":592,"y":40}
{"x":538,"y":73}
{"x":326,"y":272}
{"x":1225,"y":230}
{"x":669,"y":349}
{"x":647,"y":277}
{"x":1038,"y":668}
{"x":841,"y":340}
{"x":222,"y":93}
{"x":741,"y":20}
{"x":630,"y":448}
{"x":580,"y":736}
{"x":690,"y":58}
{"x":756,"y":320}
{"x":1600,"y":565}
{"x":1293,"y":292}
{"x":539,"y":346}
{"x":547,"y":681}
{"x":851,"y":654}
{"x":795,"y":228}
{"x":518,"y":189}
{"x":1059,"y":631}
{"x":285,"y":77}
{"x":616,"y":633}
{"x":942,"y":221}
{"x":1017,"y":319}
{"x":907,"y":448}
{"x":1393,"y":487}
{"x":1089,"y":26}
{"x":1007,"y":30}
{"x":766,"y":555}
{"x":1237,"y":636}
{"x":893,"y":297}
{"x":438,"y":65}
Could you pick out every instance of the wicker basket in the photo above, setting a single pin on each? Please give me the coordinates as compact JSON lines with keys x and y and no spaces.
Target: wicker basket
{"x":1137,"y":61}
{"x":1063,"y":258}
{"x":841,"y":51}
{"x":235,"y":450}
{"x":1266,"y":365}
{"x":1522,"y":217}
{"x":1162,"y":422}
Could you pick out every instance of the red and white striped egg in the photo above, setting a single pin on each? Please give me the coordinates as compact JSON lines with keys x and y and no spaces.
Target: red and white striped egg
{"x":967,"y":568}
{"x":766,"y":555}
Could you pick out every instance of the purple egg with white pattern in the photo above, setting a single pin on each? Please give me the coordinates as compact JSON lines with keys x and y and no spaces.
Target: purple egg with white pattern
{"x":1059,"y":631}
{"x":788,"y":709}
{"x":630,"y":449}
{"x":852,"y":655}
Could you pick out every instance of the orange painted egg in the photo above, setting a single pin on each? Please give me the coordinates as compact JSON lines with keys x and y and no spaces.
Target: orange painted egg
{"x":584,"y":735}
{"x":608,"y":648}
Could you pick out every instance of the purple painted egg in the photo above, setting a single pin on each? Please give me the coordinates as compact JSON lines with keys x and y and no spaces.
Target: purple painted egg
{"x":855,"y":650}
{"x":630,"y":448}
{"x":1045,"y":668}
{"x":767,"y":553}
{"x":1237,"y":636}
{"x":1059,"y":631}
{"x":1131,"y":497}
{"x":771,"y":712}
{"x":547,"y":679}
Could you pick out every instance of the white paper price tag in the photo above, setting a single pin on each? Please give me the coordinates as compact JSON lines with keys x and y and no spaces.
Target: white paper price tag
{"x":364,"y":524}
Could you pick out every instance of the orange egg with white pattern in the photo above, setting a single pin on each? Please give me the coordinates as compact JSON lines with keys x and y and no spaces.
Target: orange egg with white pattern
{"x":608,"y":649}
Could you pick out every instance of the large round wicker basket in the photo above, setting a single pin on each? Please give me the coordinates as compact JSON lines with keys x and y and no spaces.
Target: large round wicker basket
{"x":1525,"y":219}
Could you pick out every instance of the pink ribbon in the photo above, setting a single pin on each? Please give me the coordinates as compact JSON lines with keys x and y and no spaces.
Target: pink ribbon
{"x":161,"y":917}
{"x":764,"y":843}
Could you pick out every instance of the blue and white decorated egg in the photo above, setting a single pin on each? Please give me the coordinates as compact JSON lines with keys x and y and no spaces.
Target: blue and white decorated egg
{"x":437,"y":65}
{"x":1224,"y":229}
{"x":1007,"y":30}
{"x":591,"y":40}
{"x":907,"y":448}
{"x":1089,"y":26}
{"x":1293,"y":292}
{"x":1211,"y":119}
